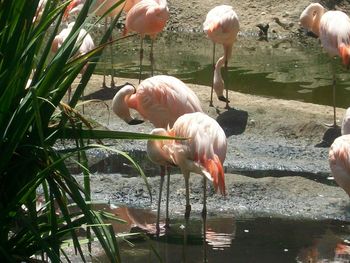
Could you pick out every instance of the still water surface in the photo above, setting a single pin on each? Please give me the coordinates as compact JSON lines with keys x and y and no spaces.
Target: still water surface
{"x":280,"y":68}
{"x":227,"y":239}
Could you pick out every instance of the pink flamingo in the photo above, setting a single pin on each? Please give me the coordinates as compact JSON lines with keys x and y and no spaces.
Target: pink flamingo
{"x":147,"y":17}
{"x":345,"y":126}
{"x":84,"y":39}
{"x":333,"y":28}
{"x":203,"y":152}
{"x":100,"y":7}
{"x":221,"y":26}
{"x":339,"y":161}
{"x":161,"y":100}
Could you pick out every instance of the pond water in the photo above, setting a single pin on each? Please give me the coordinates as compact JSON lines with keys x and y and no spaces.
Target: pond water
{"x":227,"y":239}
{"x":281,"y":67}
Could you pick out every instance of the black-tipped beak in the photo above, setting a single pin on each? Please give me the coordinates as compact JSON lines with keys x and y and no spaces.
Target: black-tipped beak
{"x":135,"y":122}
{"x":222,"y":98}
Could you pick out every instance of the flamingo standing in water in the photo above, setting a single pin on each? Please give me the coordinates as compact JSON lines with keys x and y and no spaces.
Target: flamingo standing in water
{"x":203,"y":152}
{"x":100,"y":7}
{"x":161,"y":100}
{"x":333,"y":29}
{"x":85,"y":40}
{"x":221,"y":26}
{"x":148,"y":17}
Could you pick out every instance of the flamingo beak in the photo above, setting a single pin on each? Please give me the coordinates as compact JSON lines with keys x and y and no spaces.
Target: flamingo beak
{"x":135,"y":122}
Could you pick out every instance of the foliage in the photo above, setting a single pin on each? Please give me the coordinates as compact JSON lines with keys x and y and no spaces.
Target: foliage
{"x":32,"y":119}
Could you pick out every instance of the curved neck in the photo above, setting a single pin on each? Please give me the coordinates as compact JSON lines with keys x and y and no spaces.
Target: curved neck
{"x":218,"y":80}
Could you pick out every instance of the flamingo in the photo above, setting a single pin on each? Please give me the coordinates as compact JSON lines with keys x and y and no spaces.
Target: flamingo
{"x":161,"y":100}
{"x":345,"y":126}
{"x":333,"y":29}
{"x":221,"y":26}
{"x":100,"y":7}
{"x":147,"y":17}
{"x":85,"y":40}
{"x":339,"y":161}
{"x":203,"y":152}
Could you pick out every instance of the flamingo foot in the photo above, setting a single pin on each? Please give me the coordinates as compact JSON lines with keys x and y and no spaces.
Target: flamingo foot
{"x":211,"y":104}
{"x":333,"y":125}
{"x":104,"y":86}
{"x":113,"y":84}
{"x":222,"y":98}
{"x":204,"y":213}
{"x":167,"y":223}
{"x":188,"y":211}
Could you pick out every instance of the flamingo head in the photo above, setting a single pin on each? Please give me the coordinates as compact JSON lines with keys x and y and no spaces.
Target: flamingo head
{"x":344,"y":52}
{"x":120,"y":104}
{"x":69,"y":8}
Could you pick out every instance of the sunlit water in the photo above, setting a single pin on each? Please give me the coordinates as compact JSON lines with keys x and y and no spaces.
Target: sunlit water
{"x":226,"y":239}
{"x":281,"y":67}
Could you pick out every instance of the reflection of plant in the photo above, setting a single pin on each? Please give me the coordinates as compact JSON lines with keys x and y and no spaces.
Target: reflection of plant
{"x":31,"y":121}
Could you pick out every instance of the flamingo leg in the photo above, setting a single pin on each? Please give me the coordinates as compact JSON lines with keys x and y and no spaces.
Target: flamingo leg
{"x":334,"y":106}
{"x":151,"y":57}
{"x":205,"y":240}
{"x":334,"y":81}
{"x":188,"y":206}
{"x":104,"y":61}
{"x":141,"y":58}
{"x":212,"y":85}
{"x":69,"y":93}
{"x":226,"y":77}
{"x":204,"y":211}
{"x":112,"y":60}
{"x":167,"y":219}
{"x":162,"y":173}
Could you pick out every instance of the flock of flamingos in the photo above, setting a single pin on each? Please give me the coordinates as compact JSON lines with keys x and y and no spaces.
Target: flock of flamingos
{"x":174,"y":109}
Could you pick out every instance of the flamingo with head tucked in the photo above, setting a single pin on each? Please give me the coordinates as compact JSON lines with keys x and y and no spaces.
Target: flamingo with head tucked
{"x":203,"y":152}
{"x":161,"y":100}
{"x":333,"y":29}
{"x":148,"y":17}
{"x":221,"y":26}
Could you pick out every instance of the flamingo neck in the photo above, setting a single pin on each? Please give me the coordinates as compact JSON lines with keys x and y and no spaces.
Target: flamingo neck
{"x":120,"y":103}
{"x":218,"y":80}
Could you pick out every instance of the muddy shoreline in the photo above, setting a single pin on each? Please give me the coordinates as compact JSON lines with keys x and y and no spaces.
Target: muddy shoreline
{"x":273,"y":167}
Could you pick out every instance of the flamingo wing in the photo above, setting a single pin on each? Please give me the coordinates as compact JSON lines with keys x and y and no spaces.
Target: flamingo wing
{"x":162,"y":99}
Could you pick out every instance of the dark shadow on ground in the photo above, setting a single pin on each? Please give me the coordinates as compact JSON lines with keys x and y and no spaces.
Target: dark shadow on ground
{"x":233,"y":121}
{"x":104,"y":93}
{"x":329,"y":136}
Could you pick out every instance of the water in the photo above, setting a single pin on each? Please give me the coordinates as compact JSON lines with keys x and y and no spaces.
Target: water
{"x":228,"y":239}
{"x":280,"y":68}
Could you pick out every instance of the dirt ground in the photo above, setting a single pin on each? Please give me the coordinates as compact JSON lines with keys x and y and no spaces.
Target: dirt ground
{"x":277,"y":160}
{"x":189,"y":15}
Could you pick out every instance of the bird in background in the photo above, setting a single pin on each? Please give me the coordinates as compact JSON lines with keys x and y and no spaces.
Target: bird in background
{"x":202,"y":152}
{"x":161,"y":100}
{"x":99,"y":8}
{"x":221,"y":26}
{"x":333,"y":29}
{"x":148,"y":17}
{"x":84,"y":40}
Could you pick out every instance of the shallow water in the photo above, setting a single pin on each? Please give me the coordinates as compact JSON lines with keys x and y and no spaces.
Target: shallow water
{"x":228,"y":239}
{"x":281,"y":67}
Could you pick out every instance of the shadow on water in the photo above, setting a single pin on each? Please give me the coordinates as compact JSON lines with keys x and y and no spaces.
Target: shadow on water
{"x":223,"y":238}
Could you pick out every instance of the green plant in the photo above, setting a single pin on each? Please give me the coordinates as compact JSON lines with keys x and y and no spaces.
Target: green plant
{"x":32,"y":119}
